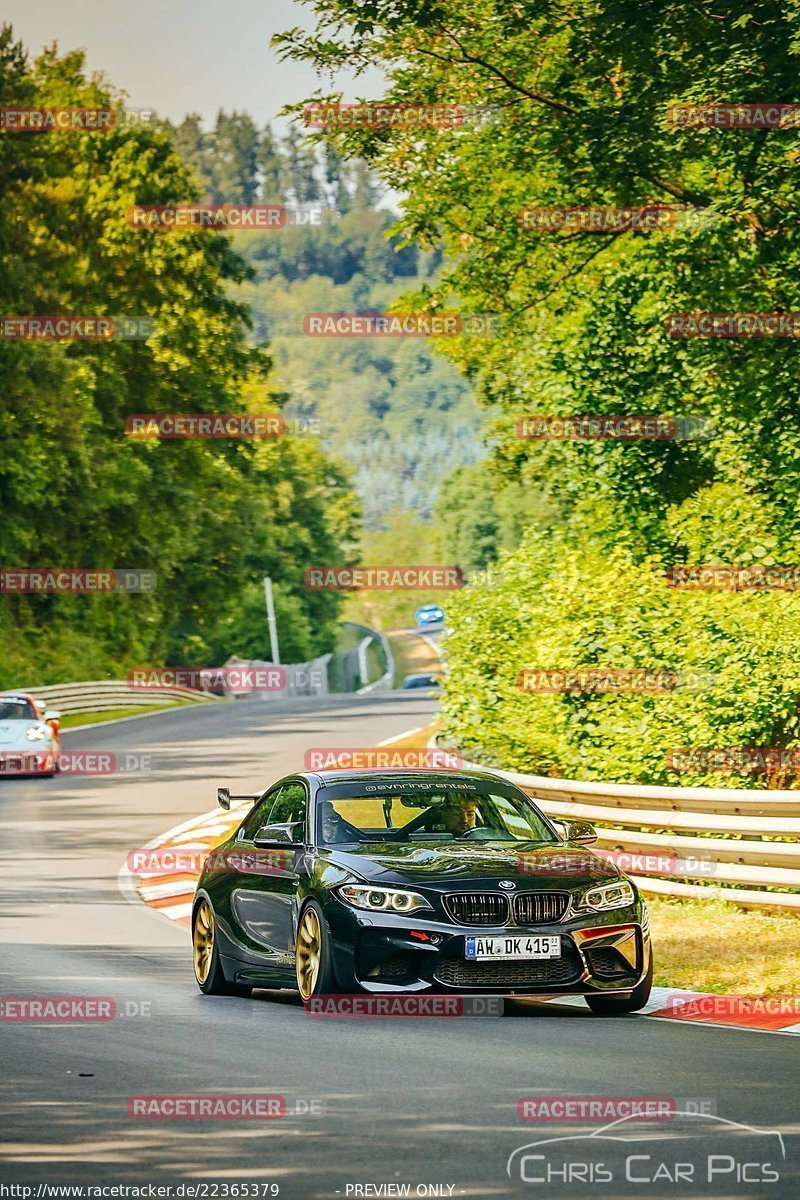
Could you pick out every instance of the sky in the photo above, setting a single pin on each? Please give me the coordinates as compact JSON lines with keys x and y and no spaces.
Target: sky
{"x":180,"y":56}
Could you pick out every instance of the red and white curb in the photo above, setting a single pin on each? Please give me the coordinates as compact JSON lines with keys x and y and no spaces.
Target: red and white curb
{"x":170,"y":893}
{"x":759,"y":1014}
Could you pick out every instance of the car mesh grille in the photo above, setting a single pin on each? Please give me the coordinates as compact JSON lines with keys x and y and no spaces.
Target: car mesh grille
{"x":533,"y":908}
{"x":390,"y":970}
{"x":477,"y":908}
{"x":456,"y":972}
{"x":607,"y":963}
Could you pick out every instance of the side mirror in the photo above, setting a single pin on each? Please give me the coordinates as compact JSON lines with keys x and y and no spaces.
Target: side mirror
{"x":51,"y":715}
{"x":277,"y":835}
{"x":579,"y":833}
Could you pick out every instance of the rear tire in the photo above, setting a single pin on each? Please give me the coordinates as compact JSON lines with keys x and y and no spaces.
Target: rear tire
{"x":207,"y":966}
{"x":616,"y":1006}
{"x":313,"y":954}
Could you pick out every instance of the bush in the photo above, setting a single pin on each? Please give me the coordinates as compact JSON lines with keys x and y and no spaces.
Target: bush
{"x":585,"y":600}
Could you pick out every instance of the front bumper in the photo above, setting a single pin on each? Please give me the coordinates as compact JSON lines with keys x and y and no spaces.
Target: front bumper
{"x":380,"y":952}
{"x":26,"y":762}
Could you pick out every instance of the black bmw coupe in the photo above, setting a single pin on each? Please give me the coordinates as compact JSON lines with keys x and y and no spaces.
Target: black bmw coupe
{"x":416,"y":882}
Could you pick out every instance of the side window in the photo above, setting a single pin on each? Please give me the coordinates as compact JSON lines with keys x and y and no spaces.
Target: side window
{"x":289,"y":805}
{"x":257,"y":817}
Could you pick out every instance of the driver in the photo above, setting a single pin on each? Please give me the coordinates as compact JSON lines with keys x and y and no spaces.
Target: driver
{"x":334,"y":827}
{"x":458,"y":815}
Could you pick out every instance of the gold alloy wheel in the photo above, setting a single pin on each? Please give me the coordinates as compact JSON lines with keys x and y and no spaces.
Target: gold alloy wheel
{"x":309,"y":947}
{"x":203,"y":941}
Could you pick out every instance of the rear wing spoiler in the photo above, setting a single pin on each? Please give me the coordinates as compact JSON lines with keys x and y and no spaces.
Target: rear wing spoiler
{"x":224,"y":797}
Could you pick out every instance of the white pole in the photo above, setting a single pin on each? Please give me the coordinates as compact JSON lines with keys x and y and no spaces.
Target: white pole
{"x":273,"y":632}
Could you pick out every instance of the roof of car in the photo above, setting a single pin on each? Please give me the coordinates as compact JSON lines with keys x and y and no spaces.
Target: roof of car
{"x":354,"y":775}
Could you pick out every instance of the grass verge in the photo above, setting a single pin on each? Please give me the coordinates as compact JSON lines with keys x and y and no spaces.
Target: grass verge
{"x":715,"y":946}
{"x":412,"y":655}
{"x":114,"y":714}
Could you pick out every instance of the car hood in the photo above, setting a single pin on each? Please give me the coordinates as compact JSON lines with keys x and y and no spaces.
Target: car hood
{"x":526,"y":866}
{"x":12,"y":733}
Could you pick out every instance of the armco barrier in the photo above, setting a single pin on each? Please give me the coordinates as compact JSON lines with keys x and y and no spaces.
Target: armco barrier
{"x":759,"y":850}
{"x":386,"y":680}
{"x":352,"y":668}
{"x":302,"y":679}
{"x":103,"y":695}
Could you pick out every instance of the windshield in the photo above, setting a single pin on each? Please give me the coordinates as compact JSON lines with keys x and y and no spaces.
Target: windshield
{"x":442,"y":816}
{"x":17,"y":710}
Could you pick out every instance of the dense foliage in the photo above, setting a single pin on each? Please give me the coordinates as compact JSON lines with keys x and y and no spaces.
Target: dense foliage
{"x":396,"y":413}
{"x":581,"y":93}
{"x":210,"y":518}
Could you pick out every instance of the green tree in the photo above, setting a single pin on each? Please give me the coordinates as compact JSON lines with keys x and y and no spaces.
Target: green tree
{"x":336,"y":176}
{"x":208,"y":517}
{"x":481,"y":515}
{"x":301,"y":167}
{"x":270,"y":166}
{"x":580,"y":94}
{"x":193,"y":145}
{"x":235,"y":160}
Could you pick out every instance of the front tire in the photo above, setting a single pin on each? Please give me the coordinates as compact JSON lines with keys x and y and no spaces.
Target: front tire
{"x":616,"y":1006}
{"x":205,"y":953}
{"x":313,"y":954}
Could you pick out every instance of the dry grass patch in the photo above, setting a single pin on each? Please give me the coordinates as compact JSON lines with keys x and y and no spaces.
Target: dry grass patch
{"x":715,"y":946}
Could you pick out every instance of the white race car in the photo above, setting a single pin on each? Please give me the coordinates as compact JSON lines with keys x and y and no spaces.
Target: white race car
{"x":29,"y":743}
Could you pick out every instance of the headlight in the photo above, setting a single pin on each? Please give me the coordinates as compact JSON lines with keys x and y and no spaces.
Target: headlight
{"x":610,"y":895}
{"x":378,"y":899}
{"x":37,"y":733}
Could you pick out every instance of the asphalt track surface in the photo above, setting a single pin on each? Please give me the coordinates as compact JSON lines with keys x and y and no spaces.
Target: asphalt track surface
{"x":406,"y":1102}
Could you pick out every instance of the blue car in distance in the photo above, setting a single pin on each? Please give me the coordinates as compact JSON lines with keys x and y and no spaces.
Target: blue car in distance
{"x":429,"y":614}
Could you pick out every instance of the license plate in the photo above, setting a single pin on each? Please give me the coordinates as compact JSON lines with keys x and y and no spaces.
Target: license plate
{"x":514,"y":947}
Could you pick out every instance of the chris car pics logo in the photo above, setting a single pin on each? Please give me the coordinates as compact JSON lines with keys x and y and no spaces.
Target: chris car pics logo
{"x":696,"y":1153}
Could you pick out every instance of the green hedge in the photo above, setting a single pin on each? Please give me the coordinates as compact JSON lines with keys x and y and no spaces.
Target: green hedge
{"x":581,"y":599}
